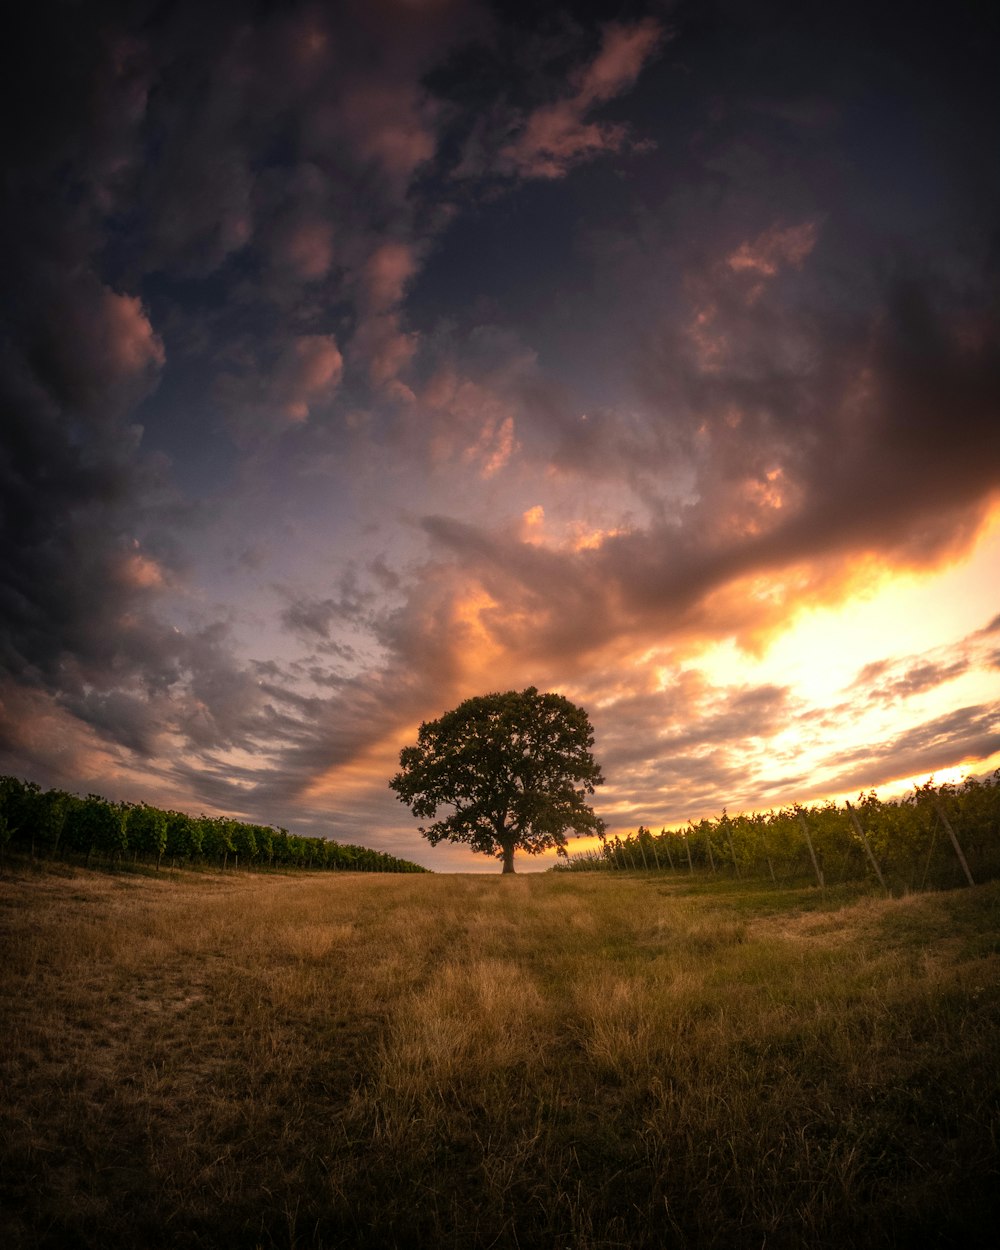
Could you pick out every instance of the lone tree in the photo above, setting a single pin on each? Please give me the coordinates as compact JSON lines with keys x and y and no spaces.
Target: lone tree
{"x":515,"y":768}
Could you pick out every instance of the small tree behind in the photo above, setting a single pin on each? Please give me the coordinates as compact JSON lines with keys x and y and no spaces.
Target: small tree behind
{"x":516,"y":768}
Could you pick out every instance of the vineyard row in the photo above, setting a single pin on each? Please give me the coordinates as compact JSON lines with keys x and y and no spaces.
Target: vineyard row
{"x":937,"y":836}
{"x":60,"y":825}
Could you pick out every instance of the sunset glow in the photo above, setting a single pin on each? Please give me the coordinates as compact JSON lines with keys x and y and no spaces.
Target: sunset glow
{"x":400,"y":353}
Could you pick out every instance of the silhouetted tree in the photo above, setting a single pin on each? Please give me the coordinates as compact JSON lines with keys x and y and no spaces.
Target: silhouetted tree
{"x":515,"y":767}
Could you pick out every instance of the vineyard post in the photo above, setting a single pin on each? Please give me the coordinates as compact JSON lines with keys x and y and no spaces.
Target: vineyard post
{"x":666,"y":846}
{"x":732,"y":846}
{"x":930,"y":852}
{"x":864,"y":839}
{"x":652,"y":847}
{"x":687,"y":843}
{"x":708,"y":844}
{"x":954,"y":840}
{"x":642,"y":850}
{"x":812,"y":854}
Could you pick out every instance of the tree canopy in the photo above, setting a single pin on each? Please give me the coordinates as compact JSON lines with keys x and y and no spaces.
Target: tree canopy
{"x":516,"y":769}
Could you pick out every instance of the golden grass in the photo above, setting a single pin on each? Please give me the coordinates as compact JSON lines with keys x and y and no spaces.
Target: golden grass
{"x":553,"y":1061}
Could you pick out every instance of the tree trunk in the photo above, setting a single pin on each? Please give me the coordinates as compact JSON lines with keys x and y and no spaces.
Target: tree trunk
{"x":508,"y":857}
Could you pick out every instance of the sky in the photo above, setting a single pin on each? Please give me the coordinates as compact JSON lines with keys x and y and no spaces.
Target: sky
{"x":358,"y":358}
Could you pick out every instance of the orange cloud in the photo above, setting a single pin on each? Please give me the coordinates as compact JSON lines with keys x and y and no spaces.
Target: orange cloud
{"x":532,"y":525}
{"x":141,"y":571}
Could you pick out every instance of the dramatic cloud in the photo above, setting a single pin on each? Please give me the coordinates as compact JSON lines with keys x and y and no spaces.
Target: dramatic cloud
{"x":557,"y":136}
{"x":357,"y":358}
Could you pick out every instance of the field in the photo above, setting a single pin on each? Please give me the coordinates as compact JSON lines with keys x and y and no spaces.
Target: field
{"x":606,"y":1060}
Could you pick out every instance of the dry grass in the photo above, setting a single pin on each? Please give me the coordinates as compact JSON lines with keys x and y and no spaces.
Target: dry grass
{"x":576,"y":1061}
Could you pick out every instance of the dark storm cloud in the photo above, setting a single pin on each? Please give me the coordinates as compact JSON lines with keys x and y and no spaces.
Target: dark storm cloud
{"x":820,"y":386}
{"x":163,"y":151}
{"x":822,"y":382}
{"x":882,"y":437}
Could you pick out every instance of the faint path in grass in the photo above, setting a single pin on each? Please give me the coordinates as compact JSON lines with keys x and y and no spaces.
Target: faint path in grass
{"x":577,"y":1061}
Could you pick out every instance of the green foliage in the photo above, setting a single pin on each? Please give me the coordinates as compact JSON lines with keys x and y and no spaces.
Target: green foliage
{"x":94,"y":824}
{"x":183,"y":837}
{"x":907,"y":838}
{"x":31,"y":817}
{"x":147,"y":830}
{"x":56,"y":823}
{"x":217,"y":838}
{"x":516,"y":769}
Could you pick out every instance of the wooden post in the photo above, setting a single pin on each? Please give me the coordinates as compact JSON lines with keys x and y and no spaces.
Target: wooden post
{"x":930,"y":852}
{"x":732,"y":847}
{"x":812,"y":854}
{"x":708,"y":844}
{"x":954,"y":840}
{"x":687,"y":843}
{"x":666,"y":847}
{"x":864,"y":839}
{"x":642,"y":852}
{"x":652,"y":847}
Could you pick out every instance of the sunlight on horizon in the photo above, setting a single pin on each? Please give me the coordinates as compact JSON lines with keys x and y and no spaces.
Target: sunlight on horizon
{"x":908,"y":613}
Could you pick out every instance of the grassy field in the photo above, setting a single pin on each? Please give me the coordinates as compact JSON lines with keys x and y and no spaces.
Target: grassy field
{"x":539,"y":1061}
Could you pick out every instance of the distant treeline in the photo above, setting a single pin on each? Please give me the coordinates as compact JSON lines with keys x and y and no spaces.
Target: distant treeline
{"x":55,"y":824}
{"x":938,"y":836}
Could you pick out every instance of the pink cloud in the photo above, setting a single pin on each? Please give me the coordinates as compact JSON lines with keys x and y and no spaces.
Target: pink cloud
{"x":386,"y":274}
{"x":384,"y":348}
{"x":470,"y":420}
{"x":307,"y":250}
{"x":130,"y":344}
{"x":624,"y":52}
{"x":738,"y":282}
{"x":307,"y":375}
{"x":389,"y":124}
{"x":141,"y":572}
{"x":266,"y":398}
{"x":380,"y":342}
{"x":774,"y":249}
{"x":557,"y":136}
{"x":103,"y":351}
